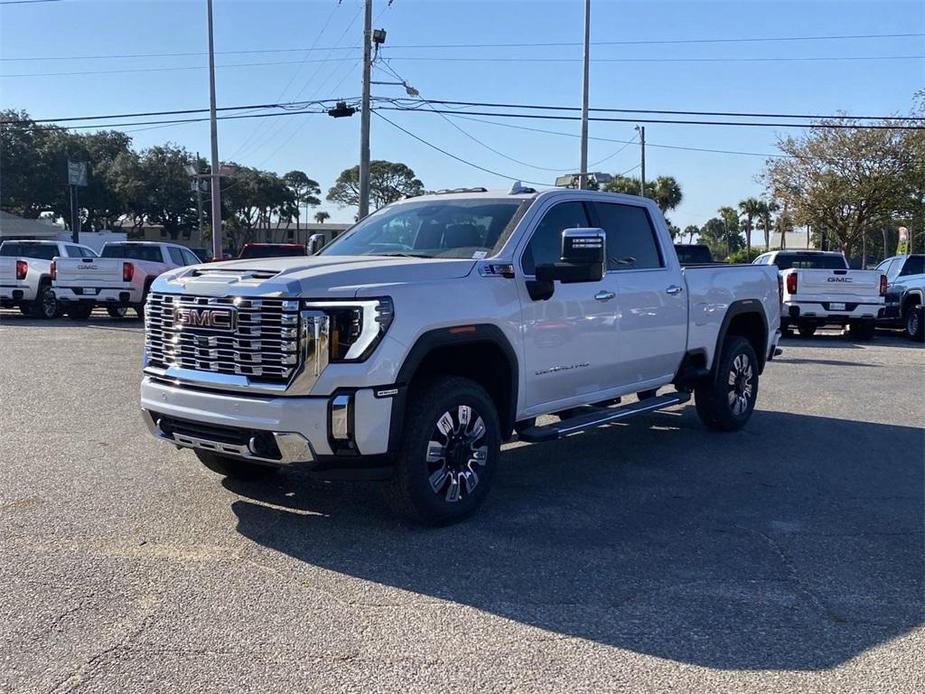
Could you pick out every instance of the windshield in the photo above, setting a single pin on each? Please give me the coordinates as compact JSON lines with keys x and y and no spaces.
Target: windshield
{"x":272,"y":251}
{"x":810,"y":261}
{"x":470,"y":228}
{"x":133,"y":252}
{"x":43,"y":251}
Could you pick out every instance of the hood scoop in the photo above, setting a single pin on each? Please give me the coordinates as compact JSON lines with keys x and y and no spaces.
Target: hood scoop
{"x":233,"y":275}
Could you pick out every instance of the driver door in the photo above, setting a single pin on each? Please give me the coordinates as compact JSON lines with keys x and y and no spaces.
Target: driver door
{"x":569,"y":340}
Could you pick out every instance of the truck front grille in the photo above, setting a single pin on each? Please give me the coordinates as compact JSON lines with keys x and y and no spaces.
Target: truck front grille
{"x":256,"y":338}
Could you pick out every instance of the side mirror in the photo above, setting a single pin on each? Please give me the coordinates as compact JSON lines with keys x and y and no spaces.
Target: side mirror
{"x":315,"y":243}
{"x":584,"y":255}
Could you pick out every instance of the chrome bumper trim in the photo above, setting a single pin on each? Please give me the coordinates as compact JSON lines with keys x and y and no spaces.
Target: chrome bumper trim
{"x":293,"y":447}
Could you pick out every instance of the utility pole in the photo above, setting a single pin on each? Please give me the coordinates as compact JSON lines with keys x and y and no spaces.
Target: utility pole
{"x":216,"y":175}
{"x":642,"y":159}
{"x":583,"y":162}
{"x":364,"y":109}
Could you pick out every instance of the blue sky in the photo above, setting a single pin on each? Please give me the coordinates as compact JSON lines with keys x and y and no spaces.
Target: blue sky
{"x":656,"y":76}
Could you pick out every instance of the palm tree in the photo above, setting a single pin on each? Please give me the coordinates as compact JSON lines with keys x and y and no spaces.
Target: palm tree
{"x":750,"y":208}
{"x":321,"y":216}
{"x":765,"y":211}
{"x":690,"y":230}
{"x":666,"y":192}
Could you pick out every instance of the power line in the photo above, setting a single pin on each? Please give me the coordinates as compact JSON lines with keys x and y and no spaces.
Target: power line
{"x":773,"y":59}
{"x":171,"y":69}
{"x":453,"y":156}
{"x":666,"y":121}
{"x":641,"y":42}
{"x":25,"y":2}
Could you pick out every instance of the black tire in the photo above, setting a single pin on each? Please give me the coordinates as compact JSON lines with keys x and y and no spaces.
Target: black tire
{"x":914,"y":325}
{"x":45,"y":305}
{"x":25,"y":308}
{"x":785,"y":329}
{"x":234,"y":468}
{"x":79,"y":311}
{"x":444,"y":483}
{"x":806,"y":329}
{"x":862,"y":330}
{"x":726,"y":406}
{"x":116,"y":311}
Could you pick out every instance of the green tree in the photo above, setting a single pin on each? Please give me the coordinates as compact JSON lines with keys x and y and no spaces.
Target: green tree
{"x":690,"y":231}
{"x":845,"y":182}
{"x":721,"y":234}
{"x":388,"y":182}
{"x":749,"y":208}
{"x":766,"y":212}
{"x":304,"y":189}
{"x":322,"y":216}
{"x":664,"y":191}
{"x":167,"y":198}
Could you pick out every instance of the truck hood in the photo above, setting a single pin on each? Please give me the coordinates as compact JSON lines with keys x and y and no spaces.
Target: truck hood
{"x":309,"y":277}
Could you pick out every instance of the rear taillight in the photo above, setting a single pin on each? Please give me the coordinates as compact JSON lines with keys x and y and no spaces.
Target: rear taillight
{"x":53,"y":270}
{"x":22,"y":269}
{"x":792,"y":283}
{"x":128,"y":272}
{"x":882,"y":285}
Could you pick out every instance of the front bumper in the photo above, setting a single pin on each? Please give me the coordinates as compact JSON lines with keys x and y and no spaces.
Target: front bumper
{"x":103,"y":295}
{"x":269,"y":430}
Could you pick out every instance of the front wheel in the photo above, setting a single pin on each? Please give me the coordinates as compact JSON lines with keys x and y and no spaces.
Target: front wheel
{"x":915,"y":323}
{"x":806,"y":329}
{"x":45,"y":305}
{"x":234,"y":468}
{"x":116,"y":311}
{"x":725,"y":399}
{"x":451,"y":442}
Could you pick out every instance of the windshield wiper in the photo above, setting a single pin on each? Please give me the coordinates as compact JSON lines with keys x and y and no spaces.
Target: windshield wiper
{"x":400,"y":254}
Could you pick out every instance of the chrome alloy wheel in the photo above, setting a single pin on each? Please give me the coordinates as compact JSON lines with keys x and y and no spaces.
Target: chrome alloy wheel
{"x":740,"y":384}
{"x":48,"y":304}
{"x":455,"y":452}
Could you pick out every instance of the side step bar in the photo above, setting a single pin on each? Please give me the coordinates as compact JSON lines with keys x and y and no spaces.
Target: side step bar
{"x":573,"y":425}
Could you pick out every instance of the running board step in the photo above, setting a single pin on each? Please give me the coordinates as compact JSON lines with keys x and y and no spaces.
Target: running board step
{"x":573,"y":425}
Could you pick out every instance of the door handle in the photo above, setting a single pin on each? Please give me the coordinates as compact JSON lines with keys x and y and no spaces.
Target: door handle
{"x":674,"y":289}
{"x":604,"y":296}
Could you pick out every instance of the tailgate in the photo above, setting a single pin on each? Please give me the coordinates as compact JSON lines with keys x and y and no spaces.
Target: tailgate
{"x":7,"y":269}
{"x":88,"y":272}
{"x":848,"y":284}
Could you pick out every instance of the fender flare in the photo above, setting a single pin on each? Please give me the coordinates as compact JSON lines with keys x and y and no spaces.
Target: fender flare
{"x":739,"y":308}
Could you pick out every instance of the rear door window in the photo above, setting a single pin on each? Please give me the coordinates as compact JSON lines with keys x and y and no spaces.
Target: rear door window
{"x":176,"y":256}
{"x":914,"y":265}
{"x":132,"y":252}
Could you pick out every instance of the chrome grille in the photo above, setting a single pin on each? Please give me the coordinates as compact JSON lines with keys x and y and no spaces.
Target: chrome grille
{"x":262,"y":344}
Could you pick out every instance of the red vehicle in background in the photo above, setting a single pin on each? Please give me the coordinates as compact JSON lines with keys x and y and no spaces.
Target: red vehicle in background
{"x":271,"y":250}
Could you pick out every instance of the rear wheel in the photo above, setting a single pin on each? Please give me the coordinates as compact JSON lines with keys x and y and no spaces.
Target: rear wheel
{"x":915,"y":323}
{"x":79,"y":311}
{"x":116,"y":311}
{"x":725,"y":399}
{"x":450,"y":445}
{"x":862,"y":330}
{"x":234,"y":468}
{"x":45,"y":305}
{"x":806,"y":329}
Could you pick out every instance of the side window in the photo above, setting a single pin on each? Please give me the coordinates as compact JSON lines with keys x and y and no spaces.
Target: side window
{"x":892,"y":272}
{"x":631,"y":241}
{"x":72,"y":251}
{"x":546,"y":243}
{"x":190,"y":257}
{"x":176,"y":256}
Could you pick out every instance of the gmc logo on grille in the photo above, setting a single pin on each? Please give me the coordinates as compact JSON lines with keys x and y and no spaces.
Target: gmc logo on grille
{"x":215,"y":318}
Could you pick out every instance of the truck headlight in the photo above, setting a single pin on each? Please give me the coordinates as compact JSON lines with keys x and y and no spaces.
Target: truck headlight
{"x":356,"y":327}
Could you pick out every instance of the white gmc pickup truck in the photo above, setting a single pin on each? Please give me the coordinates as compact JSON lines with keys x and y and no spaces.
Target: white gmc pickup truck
{"x":818,"y":289}
{"x":416,"y":343}
{"x":119,"y":279}
{"x":25,"y":274}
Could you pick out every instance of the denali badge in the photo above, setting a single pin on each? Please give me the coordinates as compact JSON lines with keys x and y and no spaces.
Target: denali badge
{"x":215,"y":318}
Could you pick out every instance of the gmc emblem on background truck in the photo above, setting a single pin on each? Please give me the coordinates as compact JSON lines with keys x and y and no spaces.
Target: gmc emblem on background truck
{"x":839,"y":279}
{"x":215,"y":318}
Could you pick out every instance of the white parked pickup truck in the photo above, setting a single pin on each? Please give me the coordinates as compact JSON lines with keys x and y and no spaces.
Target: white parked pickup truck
{"x":25,"y":274}
{"x":818,"y":289}
{"x":118,"y":279}
{"x":422,"y":338}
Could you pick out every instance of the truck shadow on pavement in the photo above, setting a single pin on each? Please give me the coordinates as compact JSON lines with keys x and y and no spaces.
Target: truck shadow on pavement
{"x":793,"y":545}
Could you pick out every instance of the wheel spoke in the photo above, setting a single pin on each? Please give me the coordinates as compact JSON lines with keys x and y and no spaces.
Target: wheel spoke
{"x":478,"y":430}
{"x":445,"y":424}
{"x":438,"y":478}
{"x":436,"y":451}
{"x":732,"y":377}
{"x":464,"y":415}
{"x":452,"y":492}
{"x":732,"y":398}
{"x":480,"y":455}
{"x":471,"y":479}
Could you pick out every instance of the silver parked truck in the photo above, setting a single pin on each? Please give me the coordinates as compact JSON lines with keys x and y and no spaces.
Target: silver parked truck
{"x":432,"y":331}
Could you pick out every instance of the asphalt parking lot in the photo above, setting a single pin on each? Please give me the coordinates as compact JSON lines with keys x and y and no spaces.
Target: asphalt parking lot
{"x":648,"y":556}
